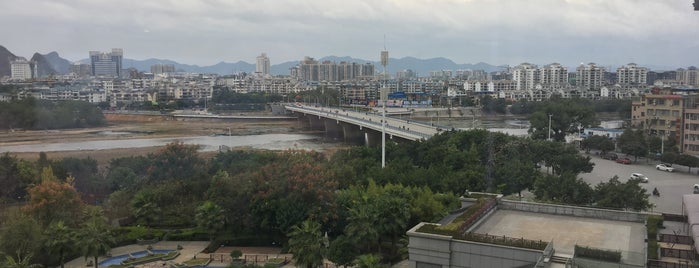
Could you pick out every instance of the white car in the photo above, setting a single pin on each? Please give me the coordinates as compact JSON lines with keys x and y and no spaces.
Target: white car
{"x":665,"y":167}
{"x":639,"y":176}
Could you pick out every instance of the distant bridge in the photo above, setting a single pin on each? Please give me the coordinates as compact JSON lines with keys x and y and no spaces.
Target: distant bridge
{"x":360,"y":126}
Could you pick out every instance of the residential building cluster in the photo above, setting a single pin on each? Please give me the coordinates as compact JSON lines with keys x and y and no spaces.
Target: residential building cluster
{"x":670,"y":113}
{"x":105,"y":80}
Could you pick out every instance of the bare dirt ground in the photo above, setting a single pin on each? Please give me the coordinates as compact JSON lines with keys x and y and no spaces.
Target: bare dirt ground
{"x":138,"y":128}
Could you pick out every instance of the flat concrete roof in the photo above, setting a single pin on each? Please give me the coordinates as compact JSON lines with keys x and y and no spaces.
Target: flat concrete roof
{"x":566,"y":231}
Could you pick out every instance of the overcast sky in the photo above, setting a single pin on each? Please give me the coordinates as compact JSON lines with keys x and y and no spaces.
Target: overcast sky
{"x":204,"y":32}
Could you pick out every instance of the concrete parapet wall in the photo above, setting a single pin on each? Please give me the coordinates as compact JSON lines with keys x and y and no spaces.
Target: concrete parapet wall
{"x":440,"y":250}
{"x":586,"y":212}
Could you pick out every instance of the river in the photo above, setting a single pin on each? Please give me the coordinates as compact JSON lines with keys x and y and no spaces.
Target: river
{"x":517,"y":126}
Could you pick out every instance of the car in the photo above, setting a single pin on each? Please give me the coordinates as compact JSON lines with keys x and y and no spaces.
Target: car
{"x":610,"y":156}
{"x":624,"y":160}
{"x":665,"y":167}
{"x":639,"y":176}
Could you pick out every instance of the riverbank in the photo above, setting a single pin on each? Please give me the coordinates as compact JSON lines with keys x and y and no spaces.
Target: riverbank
{"x":153,"y":129}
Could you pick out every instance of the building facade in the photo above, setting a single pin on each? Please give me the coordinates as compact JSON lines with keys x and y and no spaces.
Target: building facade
{"x":21,"y":69}
{"x":632,"y":74}
{"x":107,"y":64}
{"x":590,"y":76}
{"x":262,"y":66}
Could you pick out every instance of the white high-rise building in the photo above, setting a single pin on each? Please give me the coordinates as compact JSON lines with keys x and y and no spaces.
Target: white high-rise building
{"x":589,"y":76}
{"x":526,"y":76}
{"x":21,"y":69}
{"x":631,"y":74}
{"x":262,"y":67}
{"x":554,"y":75}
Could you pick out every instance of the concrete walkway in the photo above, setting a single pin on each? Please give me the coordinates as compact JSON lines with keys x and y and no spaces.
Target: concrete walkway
{"x":189,"y":249}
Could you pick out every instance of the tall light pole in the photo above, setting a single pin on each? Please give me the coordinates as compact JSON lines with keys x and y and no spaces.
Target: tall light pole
{"x":549,"y":139}
{"x":384,"y":62}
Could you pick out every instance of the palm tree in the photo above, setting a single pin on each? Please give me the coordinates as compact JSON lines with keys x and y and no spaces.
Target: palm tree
{"x":20,"y":262}
{"x":211,"y":218}
{"x":59,"y":240}
{"x":145,"y":208}
{"x":95,"y":240}
{"x":306,"y":243}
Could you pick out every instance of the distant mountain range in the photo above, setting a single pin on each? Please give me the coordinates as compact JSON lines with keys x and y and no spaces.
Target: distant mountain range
{"x":421,"y":66}
{"x":52,"y":63}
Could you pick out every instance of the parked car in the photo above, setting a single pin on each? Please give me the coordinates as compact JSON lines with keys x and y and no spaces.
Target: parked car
{"x":665,"y":167}
{"x":639,"y":176}
{"x":610,"y":156}
{"x":624,"y":160}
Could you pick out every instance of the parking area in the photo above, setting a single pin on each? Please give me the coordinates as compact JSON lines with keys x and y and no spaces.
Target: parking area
{"x":671,"y":186}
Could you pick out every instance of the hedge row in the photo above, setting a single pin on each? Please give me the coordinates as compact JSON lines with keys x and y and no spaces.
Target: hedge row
{"x":597,"y":254}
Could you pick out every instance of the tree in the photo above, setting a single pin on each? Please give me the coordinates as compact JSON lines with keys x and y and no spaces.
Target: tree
{"x":566,"y":116}
{"x":95,"y":239}
{"x":633,"y":143}
{"x":145,"y":208}
{"x":368,"y":261}
{"x":211,"y":218}
{"x":15,"y":175}
{"x":52,"y":200}
{"x":306,"y":243}
{"x":604,"y":144}
{"x":59,"y":240}
{"x":342,"y":251}
{"x":19,"y":262}
{"x":689,"y":161}
{"x":21,"y":236}
{"x":628,"y":195}
{"x":565,"y":189}
{"x":177,"y":161}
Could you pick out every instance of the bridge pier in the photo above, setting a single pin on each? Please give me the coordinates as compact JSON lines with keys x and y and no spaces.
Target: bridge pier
{"x":332,"y":128}
{"x":352,"y":133}
{"x":316,"y":122}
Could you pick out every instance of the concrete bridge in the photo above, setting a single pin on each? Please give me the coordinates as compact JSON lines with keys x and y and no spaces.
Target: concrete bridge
{"x":360,"y":127}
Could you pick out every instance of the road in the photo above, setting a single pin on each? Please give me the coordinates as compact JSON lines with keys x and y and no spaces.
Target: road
{"x":672,"y":186}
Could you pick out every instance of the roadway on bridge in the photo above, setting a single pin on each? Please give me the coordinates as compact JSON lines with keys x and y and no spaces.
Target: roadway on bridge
{"x":405,"y":128}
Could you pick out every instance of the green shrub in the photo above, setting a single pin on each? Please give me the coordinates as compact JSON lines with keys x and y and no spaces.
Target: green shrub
{"x":597,"y":254}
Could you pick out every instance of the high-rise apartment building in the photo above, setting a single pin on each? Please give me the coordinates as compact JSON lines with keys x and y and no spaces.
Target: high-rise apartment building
{"x":632,"y":74}
{"x":688,"y":77}
{"x":21,"y":69}
{"x":310,"y":69}
{"x":263,"y":66}
{"x":553,"y":75}
{"x":162,"y":68}
{"x":107,"y":64}
{"x":526,"y":76}
{"x":589,"y":76}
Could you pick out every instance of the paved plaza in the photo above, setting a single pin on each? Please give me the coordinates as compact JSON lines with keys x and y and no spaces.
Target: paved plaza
{"x":566,"y":231}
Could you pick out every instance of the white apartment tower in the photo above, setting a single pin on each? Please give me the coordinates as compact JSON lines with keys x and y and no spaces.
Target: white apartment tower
{"x":526,"y":76}
{"x":631,"y":74}
{"x":262,"y":67}
{"x":21,"y":69}
{"x":554,"y":75}
{"x":589,"y":76}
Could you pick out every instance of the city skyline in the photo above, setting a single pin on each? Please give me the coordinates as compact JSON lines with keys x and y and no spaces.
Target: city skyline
{"x":658,"y":33}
